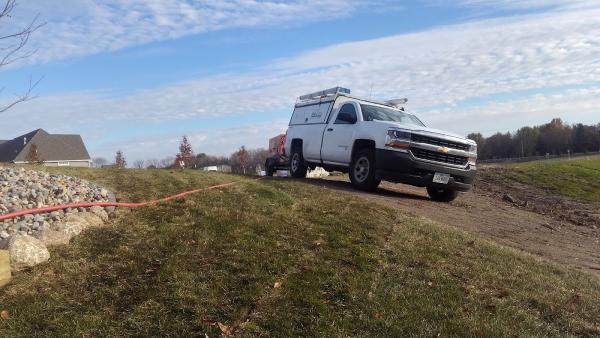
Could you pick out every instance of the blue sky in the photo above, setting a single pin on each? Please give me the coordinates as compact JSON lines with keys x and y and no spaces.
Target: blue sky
{"x":137,"y":74}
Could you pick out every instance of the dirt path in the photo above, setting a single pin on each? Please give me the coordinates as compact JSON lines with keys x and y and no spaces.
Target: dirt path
{"x":491,"y":216}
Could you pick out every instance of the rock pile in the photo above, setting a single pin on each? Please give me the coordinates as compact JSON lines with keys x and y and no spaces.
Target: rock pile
{"x":26,"y":237}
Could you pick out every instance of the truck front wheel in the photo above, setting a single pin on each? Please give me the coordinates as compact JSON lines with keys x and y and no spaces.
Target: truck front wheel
{"x":362,"y":171}
{"x":442,"y":195}
{"x":298,"y":167}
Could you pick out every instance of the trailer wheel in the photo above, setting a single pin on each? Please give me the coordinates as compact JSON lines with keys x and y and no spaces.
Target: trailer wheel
{"x":362,"y":171}
{"x":442,"y":195}
{"x":298,"y":167}
{"x":269,"y":169}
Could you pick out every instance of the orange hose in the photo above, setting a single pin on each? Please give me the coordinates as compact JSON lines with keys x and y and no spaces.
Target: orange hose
{"x":109,"y":204}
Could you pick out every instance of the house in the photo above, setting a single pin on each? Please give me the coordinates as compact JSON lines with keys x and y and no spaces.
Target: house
{"x":49,"y":149}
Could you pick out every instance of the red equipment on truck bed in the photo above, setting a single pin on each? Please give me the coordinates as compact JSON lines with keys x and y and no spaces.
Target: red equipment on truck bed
{"x":276,"y":145}
{"x":276,"y":160}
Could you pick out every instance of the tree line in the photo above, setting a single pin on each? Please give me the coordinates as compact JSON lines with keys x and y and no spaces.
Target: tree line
{"x":242,"y":161}
{"x":553,"y":138}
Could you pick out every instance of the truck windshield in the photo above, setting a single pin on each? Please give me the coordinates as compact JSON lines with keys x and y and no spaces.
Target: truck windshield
{"x":375,"y":113}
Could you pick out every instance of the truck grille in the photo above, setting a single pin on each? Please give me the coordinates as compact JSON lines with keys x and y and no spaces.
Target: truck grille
{"x":429,"y":155}
{"x":439,"y":142}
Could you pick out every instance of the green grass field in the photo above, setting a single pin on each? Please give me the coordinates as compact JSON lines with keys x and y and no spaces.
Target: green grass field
{"x":578,"y":178}
{"x":344,"y":267}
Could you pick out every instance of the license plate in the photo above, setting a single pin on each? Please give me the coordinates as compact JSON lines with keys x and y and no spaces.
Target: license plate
{"x":441,"y":178}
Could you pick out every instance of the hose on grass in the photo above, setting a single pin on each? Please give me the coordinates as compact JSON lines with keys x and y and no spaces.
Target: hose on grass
{"x":110,"y":204}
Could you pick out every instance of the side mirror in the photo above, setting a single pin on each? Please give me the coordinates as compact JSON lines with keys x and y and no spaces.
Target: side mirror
{"x":347,"y":117}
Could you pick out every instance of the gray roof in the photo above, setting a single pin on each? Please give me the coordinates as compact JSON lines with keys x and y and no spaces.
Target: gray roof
{"x":50,"y":147}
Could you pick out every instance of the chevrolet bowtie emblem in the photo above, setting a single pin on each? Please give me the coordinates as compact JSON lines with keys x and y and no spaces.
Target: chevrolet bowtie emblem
{"x":444,"y":150}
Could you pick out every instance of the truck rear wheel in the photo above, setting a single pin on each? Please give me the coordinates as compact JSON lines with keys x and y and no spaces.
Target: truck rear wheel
{"x":298,"y":167}
{"x":362,"y":171}
{"x":442,"y":195}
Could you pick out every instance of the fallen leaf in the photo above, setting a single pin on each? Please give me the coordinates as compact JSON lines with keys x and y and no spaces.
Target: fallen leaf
{"x":4,"y":314}
{"x":502,"y":294}
{"x":478,"y":334}
{"x":574,"y":301}
{"x":208,"y":322}
{"x":277,"y":285}
{"x":224,"y":328}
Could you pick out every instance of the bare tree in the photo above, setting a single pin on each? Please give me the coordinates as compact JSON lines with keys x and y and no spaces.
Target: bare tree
{"x":33,"y":156}
{"x":185,"y":157}
{"x":120,"y":161}
{"x":240,"y":160}
{"x":167,"y":162}
{"x":139,"y":164}
{"x":12,"y":47}
{"x":152,"y":163}
{"x":98,"y":162}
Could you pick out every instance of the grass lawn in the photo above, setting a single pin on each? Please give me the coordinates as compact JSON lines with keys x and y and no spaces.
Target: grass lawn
{"x":281,"y":258}
{"x":578,"y":178}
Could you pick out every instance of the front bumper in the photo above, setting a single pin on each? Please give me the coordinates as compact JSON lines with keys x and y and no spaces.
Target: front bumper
{"x":399,"y":167}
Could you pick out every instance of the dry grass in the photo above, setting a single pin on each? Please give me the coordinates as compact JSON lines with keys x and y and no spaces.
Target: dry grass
{"x":344,"y":267}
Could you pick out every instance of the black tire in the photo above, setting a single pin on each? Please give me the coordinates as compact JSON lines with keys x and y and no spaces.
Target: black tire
{"x":298,"y":167}
{"x":269,"y":170}
{"x":441,"y":194}
{"x":362,"y":171}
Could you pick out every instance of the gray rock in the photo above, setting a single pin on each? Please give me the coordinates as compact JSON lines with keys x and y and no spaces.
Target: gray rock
{"x":72,"y":228}
{"x":23,"y":189}
{"x":508,"y":198}
{"x":92,"y":219}
{"x":99,"y":211}
{"x":26,"y":251}
{"x":4,"y":243}
{"x":52,"y":237}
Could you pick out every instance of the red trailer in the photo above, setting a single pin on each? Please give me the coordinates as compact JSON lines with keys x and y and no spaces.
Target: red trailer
{"x":277,"y":159}
{"x":276,"y":145}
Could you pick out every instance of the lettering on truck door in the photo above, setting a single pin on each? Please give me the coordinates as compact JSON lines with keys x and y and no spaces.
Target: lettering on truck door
{"x":339,"y":135}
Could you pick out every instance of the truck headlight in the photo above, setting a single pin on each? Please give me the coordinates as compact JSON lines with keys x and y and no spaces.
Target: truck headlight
{"x":473,"y":158}
{"x":398,"y":139}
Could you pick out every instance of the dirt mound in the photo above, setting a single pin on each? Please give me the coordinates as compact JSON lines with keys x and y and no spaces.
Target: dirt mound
{"x":492,"y":182}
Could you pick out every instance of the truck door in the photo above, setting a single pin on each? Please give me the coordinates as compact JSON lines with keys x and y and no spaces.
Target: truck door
{"x":310,"y":121}
{"x":339,"y":136}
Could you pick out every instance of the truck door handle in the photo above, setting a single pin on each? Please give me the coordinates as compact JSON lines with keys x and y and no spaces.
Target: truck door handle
{"x":329,"y":129}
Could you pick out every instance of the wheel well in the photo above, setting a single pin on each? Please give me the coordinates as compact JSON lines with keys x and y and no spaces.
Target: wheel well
{"x":296,"y":143}
{"x":362,"y":144}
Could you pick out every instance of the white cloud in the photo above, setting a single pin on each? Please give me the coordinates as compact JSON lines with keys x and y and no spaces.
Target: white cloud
{"x":442,"y":66}
{"x":526,"y":4}
{"x":573,"y":106}
{"x":83,"y":27}
{"x":433,"y":67}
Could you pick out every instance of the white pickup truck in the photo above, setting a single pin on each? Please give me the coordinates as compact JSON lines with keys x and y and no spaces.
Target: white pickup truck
{"x":374,"y":141}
